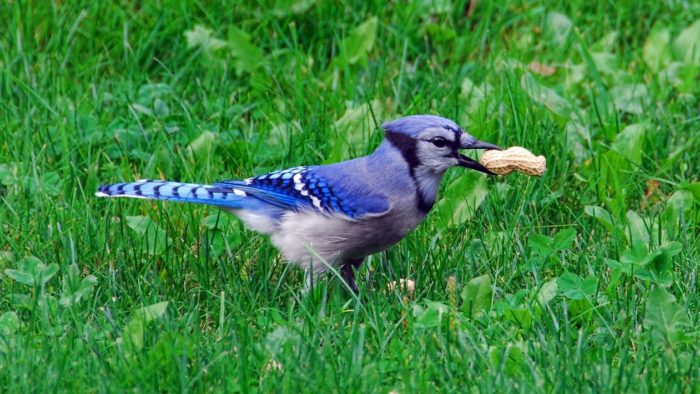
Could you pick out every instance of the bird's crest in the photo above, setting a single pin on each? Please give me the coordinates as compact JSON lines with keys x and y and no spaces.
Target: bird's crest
{"x":414,"y":124}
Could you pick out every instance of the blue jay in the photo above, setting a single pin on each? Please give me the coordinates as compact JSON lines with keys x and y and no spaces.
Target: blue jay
{"x":336,"y":215}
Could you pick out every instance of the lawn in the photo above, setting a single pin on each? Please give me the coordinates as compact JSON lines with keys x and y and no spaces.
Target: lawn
{"x":584,"y":279}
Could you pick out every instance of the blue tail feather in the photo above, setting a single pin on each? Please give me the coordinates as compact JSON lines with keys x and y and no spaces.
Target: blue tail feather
{"x":175,"y":191}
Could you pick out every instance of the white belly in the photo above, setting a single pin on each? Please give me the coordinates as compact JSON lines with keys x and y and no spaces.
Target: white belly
{"x":305,"y":238}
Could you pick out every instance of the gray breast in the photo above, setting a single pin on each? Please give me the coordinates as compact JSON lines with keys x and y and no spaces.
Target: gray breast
{"x":307,"y":236}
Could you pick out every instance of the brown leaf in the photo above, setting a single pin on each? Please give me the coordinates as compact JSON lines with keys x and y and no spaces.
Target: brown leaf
{"x":652,"y":186}
{"x":650,"y":194}
{"x":471,"y":7}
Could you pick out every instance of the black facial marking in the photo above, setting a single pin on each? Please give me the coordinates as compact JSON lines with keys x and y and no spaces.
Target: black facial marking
{"x":458,"y":136}
{"x":423,"y":204}
{"x":407,"y":146}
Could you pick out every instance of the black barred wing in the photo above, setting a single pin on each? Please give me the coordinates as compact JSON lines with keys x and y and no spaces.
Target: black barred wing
{"x":299,"y":188}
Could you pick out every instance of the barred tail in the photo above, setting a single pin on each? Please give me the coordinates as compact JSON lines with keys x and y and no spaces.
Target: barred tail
{"x":175,"y":191}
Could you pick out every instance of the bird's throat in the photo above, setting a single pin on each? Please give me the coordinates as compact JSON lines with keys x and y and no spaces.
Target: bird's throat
{"x":427,"y":185}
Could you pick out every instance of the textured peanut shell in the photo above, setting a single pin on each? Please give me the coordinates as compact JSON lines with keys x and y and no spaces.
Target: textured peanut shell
{"x":403,"y":284}
{"x":516,"y":158}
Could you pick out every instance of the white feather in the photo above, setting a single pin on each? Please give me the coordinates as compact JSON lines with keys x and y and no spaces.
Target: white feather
{"x":257,"y":222}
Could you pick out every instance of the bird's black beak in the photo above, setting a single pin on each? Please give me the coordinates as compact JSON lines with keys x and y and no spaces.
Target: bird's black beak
{"x":468,"y":162}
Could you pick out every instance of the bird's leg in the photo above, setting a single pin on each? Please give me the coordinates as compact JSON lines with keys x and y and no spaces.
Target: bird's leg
{"x":347,"y":272}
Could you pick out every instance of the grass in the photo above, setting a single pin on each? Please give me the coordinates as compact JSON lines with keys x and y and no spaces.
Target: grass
{"x":584,"y":279}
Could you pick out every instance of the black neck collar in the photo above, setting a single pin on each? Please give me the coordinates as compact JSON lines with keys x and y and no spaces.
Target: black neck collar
{"x":407,"y":146}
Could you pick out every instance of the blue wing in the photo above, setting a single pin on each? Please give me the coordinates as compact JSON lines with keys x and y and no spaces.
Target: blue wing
{"x":302,"y":188}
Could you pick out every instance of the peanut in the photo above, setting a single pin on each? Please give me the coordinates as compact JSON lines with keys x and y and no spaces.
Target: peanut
{"x":516,"y":158}
{"x":407,"y":285}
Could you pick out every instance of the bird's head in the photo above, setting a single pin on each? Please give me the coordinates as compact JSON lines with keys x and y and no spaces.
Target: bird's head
{"x":433,"y":143}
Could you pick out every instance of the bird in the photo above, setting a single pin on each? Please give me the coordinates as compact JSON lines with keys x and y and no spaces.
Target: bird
{"x":331,"y":217}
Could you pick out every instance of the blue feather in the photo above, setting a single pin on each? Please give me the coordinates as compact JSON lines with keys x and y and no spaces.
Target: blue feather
{"x":275,"y":198}
{"x":301,"y":188}
{"x":175,"y":191}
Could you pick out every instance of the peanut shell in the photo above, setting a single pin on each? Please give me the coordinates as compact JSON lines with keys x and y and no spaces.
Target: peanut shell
{"x":516,"y":158}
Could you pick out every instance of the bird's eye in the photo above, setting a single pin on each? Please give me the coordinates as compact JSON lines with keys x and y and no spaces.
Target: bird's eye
{"x":439,"y":142}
